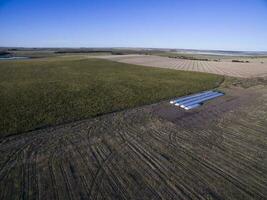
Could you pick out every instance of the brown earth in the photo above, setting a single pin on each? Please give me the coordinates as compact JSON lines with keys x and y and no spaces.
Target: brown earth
{"x":244,"y":70}
{"x":159,"y":151}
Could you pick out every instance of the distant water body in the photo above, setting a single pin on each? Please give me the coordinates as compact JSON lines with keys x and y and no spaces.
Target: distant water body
{"x":14,"y":58}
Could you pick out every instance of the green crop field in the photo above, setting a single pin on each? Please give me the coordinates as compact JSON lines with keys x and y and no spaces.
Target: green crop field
{"x":42,"y":92}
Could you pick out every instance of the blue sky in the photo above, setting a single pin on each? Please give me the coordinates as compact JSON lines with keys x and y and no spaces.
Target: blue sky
{"x":195,"y":24}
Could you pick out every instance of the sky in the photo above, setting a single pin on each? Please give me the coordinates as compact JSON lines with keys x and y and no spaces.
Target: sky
{"x":183,"y":24}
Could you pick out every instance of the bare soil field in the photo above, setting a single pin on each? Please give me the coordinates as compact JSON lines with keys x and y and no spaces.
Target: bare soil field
{"x":153,"y":152}
{"x":244,"y":70}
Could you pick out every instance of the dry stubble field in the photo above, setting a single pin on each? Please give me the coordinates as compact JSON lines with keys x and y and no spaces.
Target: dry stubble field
{"x":242,"y":70}
{"x":152,"y":152}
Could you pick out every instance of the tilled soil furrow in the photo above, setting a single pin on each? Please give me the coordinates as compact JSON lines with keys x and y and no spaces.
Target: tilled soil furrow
{"x":160,"y":167}
{"x":226,"y":165}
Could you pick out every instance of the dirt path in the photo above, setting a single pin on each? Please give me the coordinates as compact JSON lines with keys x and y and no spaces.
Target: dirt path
{"x":244,"y":70}
{"x":153,"y":152}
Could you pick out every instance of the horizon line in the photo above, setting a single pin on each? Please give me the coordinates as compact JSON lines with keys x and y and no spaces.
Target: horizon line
{"x":118,"y":47}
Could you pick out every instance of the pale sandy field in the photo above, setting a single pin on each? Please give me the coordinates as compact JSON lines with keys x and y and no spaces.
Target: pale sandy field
{"x":243,"y":70}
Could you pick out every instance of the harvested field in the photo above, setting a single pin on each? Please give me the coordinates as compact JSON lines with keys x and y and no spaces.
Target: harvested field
{"x":152,"y":152}
{"x":244,"y":70}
